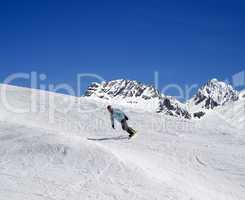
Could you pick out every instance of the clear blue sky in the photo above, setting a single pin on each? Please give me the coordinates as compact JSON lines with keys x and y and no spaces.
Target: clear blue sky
{"x":186,"y":41}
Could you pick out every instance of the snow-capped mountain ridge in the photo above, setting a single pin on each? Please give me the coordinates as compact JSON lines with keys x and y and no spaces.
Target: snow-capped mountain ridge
{"x":213,"y":94}
{"x":171,"y":106}
{"x":219,"y":92}
{"x":122,"y":89}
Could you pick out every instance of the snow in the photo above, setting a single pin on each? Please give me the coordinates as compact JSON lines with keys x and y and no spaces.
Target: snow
{"x":242,"y":94}
{"x":233,"y":113}
{"x":45,"y":154}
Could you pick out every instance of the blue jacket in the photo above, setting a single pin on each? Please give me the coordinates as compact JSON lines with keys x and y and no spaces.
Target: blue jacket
{"x":118,"y":115}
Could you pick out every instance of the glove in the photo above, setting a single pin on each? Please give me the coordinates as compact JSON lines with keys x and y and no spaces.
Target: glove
{"x":126,"y":117}
{"x":113,"y":126}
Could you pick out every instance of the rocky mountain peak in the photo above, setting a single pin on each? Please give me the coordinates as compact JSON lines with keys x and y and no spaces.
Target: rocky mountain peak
{"x":215,"y":93}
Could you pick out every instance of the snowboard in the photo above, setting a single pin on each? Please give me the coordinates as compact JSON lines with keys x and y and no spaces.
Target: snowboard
{"x":134,"y":132}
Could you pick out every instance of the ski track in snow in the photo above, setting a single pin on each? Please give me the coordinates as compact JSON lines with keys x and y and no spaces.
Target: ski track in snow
{"x":176,"y":160}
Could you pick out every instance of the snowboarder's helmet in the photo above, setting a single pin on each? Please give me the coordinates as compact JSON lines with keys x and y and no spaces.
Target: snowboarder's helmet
{"x":109,"y":107}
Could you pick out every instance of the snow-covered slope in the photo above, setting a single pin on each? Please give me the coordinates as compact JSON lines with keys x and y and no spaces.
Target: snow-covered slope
{"x":242,"y":94}
{"x":233,"y":113}
{"x":49,"y":157}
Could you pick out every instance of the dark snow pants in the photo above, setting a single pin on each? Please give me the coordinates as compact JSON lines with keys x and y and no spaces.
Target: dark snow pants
{"x":126,"y":127}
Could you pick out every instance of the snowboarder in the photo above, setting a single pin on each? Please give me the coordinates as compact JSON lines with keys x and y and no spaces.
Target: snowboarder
{"x":122,"y":118}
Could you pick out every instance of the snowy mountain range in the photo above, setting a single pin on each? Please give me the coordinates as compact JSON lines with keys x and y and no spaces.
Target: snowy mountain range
{"x":122,"y":89}
{"x":211,"y":95}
